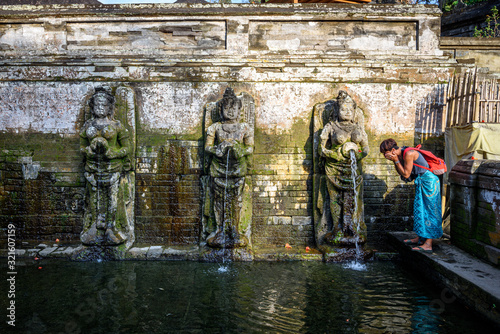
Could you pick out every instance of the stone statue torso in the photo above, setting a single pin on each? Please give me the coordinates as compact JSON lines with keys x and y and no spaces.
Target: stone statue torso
{"x":228,"y":165}
{"x":230,"y":132}
{"x":341,"y":133}
{"x":113,"y":132}
{"x":108,"y":131}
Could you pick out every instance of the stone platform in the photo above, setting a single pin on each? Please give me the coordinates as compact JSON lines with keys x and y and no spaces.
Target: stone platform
{"x":70,"y":251}
{"x":471,"y":281}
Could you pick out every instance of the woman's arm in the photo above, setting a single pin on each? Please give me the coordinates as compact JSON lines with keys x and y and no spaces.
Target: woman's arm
{"x":409,"y":158}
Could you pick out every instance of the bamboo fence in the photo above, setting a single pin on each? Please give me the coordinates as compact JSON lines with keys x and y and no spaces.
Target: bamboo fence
{"x":471,"y":99}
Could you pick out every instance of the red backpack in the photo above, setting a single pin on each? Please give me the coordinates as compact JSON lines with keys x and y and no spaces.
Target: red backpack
{"x":436,"y":165}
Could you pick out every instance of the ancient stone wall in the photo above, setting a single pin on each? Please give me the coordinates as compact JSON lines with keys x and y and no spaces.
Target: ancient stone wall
{"x":177,"y":58}
{"x":484,"y":52}
{"x":475,"y":207}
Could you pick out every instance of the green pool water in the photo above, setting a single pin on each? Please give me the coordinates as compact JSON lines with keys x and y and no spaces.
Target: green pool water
{"x":259,"y":297}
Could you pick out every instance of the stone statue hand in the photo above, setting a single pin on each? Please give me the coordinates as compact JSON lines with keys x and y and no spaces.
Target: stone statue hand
{"x":223,"y":148}
{"x":91,"y":179}
{"x":219,"y":152}
{"x":239,"y":150}
{"x":329,"y":153}
{"x":88,"y":151}
{"x":113,"y":154}
{"x":336,"y":155}
{"x":99,"y":144}
{"x":348,"y":147}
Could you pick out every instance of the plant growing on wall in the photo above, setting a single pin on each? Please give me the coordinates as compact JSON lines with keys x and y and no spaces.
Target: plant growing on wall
{"x":451,"y":4}
{"x":492,"y":28}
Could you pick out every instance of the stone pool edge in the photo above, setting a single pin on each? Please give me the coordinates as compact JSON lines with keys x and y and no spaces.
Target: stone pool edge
{"x":183,"y":253}
{"x":472,"y":282}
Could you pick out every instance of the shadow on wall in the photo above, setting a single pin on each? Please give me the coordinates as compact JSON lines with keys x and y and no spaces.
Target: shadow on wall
{"x":429,"y":121}
{"x":388,"y":207}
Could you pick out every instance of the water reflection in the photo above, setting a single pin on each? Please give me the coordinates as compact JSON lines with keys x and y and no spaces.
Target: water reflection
{"x":187,"y":297}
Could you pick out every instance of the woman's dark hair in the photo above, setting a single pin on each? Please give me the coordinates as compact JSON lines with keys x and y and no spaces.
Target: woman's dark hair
{"x":388,"y":145}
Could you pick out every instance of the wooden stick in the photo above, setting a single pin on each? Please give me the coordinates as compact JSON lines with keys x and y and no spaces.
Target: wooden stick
{"x":454,"y":115}
{"x":444,"y":112}
{"x":457,"y":101}
{"x":451,"y":101}
{"x":497,"y":118}
{"x":467,"y":111}
{"x":461,"y":105}
{"x":483,"y":96}
{"x":477,"y":98}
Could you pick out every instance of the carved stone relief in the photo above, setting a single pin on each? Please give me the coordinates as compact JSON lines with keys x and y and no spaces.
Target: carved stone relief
{"x":229,"y":143}
{"x":340,"y":142}
{"x":107,"y":142}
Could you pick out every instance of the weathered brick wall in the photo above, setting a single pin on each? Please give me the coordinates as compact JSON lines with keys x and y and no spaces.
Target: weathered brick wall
{"x":475,"y":207}
{"x":177,"y":58}
{"x":43,"y":205}
{"x":168,"y":201}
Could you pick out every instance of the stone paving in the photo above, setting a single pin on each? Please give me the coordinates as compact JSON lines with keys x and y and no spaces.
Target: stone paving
{"x":473,"y":282}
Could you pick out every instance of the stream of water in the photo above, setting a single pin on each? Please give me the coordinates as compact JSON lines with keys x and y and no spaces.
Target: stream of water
{"x":356,"y":264}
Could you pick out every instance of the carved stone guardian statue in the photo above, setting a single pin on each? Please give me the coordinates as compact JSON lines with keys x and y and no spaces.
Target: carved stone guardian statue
{"x":228,"y":147}
{"x":339,"y":147}
{"x":107,"y":144}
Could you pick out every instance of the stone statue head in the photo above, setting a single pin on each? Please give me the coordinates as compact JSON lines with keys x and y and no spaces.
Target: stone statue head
{"x":102,"y":102}
{"x":230,"y":105}
{"x":346,"y":107}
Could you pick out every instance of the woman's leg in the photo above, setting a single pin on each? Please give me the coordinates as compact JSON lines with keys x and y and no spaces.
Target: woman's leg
{"x":427,"y":245}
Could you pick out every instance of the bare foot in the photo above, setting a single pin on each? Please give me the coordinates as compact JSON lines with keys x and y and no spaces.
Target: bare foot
{"x":426,"y":246}
{"x":422,"y":250}
{"x":412,"y":241}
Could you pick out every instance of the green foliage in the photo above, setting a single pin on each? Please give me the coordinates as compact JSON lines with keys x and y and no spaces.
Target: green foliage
{"x":451,"y":4}
{"x":338,"y":237}
{"x":492,"y":28}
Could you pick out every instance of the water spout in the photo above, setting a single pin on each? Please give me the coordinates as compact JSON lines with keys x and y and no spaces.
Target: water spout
{"x":356,"y":265}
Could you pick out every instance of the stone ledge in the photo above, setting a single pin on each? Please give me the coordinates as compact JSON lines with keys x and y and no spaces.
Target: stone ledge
{"x":474,"y":43}
{"x":189,"y":10}
{"x":473,"y":282}
{"x":169,"y":253}
{"x":283,"y":254}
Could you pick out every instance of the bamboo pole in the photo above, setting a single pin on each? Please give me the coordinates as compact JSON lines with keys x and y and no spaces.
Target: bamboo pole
{"x":481,"y":111}
{"x":451,"y":110}
{"x":497,"y":118}
{"x":444,"y":115}
{"x":457,"y":100}
{"x":468,"y":96}
{"x":490,"y":97}
{"x":483,"y":96}
{"x":444,"y":112}
{"x":477,"y":104}
{"x":462,"y":105}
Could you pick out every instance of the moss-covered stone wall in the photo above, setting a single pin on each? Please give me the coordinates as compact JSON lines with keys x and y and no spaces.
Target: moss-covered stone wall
{"x":177,"y":58}
{"x":475,"y":208}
